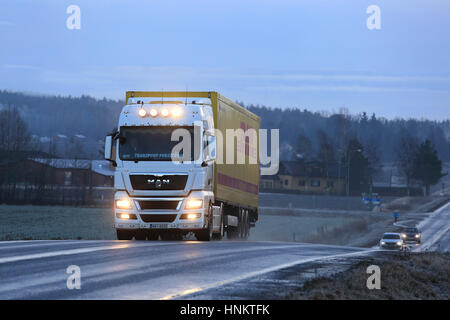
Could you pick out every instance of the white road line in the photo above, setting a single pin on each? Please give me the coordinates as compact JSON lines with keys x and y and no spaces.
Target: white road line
{"x":46,"y":244}
{"x":75,"y":251}
{"x":260,"y":272}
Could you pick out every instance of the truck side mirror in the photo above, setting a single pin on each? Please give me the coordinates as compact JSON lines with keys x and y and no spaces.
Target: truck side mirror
{"x":108,"y":147}
{"x":109,"y":150}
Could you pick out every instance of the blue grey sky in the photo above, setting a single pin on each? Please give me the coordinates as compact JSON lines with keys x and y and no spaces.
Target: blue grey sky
{"x":312,"y":54}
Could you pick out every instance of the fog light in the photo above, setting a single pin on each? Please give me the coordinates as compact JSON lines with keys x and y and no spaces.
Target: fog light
{"x":124,"y":216}
{"x":192,"y":216}
{"x":123,"y":204}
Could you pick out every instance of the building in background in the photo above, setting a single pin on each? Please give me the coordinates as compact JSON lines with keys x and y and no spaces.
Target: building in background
{"x":56,"y":181}
{"x":311,"y":177}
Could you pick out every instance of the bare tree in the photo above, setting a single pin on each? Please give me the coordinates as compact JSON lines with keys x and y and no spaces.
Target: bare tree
{"x":406,"y":153}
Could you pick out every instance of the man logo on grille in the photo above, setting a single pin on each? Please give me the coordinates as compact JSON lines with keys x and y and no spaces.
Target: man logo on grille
{"x":159,"y":182}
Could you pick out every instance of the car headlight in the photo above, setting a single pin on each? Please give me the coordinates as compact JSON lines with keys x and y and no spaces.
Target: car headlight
{"x":399,"y":243}
{"x":383,"y":243}
{"x":417,"y":235}
{"x":123,"y":204}
{"x":194,"y":204}
{"x":404,"y":235}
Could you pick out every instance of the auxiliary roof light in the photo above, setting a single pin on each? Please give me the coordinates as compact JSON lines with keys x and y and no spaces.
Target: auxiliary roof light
{"x":142,"y":113}
{"x":153,"y":112}
{"x":176,"y":112}
{"x":164,"y":112}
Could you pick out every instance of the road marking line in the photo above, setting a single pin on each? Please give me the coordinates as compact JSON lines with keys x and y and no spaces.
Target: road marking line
{"x":260,"y":272}
{"x":74,"y":251}
{"x":58,"y":253}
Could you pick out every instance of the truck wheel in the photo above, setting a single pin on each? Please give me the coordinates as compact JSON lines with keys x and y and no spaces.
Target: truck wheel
{"x":219,"y":236}
{"x":124,"y":234}
{"x":206,"y":234}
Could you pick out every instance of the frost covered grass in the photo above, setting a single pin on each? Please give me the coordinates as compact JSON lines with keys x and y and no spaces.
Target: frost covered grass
{"x":55,"y":223}
{"x":419,"y":276}
{"x":58,"y":222}
{"x":283,"y":228}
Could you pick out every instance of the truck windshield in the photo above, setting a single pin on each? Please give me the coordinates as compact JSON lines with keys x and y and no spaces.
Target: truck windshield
{"x":151,"y":143}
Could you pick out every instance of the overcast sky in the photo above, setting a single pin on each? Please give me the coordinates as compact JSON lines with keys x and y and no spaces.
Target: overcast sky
{"x":311,"y":54}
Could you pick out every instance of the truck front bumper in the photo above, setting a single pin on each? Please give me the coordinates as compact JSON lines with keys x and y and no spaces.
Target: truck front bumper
{"x":178,"y":217}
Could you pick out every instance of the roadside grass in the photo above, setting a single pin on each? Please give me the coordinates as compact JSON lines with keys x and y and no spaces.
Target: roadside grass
{"x":27,"y":222}
{"x":419,"y":276}
{"x":339,"y":234}
{"x":293,"y":228}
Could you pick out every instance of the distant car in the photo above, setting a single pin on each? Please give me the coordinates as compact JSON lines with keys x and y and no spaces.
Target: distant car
{"x":411,"y":234}
{"x":392,"y":241}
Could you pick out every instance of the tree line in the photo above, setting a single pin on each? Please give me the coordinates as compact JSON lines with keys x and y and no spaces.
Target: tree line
{"x":416,"y":147}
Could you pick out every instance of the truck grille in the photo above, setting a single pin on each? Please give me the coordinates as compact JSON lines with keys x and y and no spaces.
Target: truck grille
{"x":153,"y":182}
{"x":158,"y":205}
{"x":158,"y":217}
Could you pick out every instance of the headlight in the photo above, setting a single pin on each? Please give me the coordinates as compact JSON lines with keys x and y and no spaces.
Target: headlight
{"x":194,"y":204}
{"x":383,"y":243}
{"x":404,"y":235}
{"x":192,"y":216}
{"x":399,"y":243}
{"x":417,"y":235}
{"x":123,"y":204}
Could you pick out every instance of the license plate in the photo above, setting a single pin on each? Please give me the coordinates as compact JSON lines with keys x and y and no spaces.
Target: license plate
{"x":158,"y":226}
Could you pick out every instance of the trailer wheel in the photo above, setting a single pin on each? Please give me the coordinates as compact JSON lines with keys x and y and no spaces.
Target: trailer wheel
{"x":246,"y":225}
{"x":235,"y":232}
{"x":124,"y":234}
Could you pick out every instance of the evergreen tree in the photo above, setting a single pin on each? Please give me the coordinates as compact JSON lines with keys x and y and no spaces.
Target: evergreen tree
{"x":427,"y":166}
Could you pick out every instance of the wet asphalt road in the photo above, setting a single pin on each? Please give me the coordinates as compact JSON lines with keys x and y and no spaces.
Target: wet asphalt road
{"x":436,"y":230}
{"x":144,"y":269}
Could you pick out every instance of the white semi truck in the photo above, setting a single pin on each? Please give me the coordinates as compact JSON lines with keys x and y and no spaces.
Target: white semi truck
{"x":203,"y":191}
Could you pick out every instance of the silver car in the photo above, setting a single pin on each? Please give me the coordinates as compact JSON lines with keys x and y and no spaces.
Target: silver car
{"x":392,"y":241}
